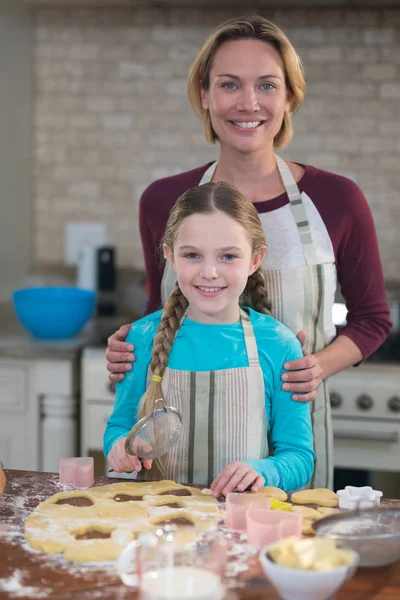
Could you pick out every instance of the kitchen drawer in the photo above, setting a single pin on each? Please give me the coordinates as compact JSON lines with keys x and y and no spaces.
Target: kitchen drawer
{"x":97,"y":416}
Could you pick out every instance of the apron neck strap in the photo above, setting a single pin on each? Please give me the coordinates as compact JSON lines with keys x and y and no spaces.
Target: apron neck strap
{"x":298,"y":210}
{"x":249,"y":339}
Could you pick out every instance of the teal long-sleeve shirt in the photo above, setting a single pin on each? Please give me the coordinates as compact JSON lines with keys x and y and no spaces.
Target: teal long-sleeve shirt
{"x":204,"y":347}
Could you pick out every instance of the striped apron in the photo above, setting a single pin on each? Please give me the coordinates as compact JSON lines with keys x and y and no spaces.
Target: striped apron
{"x":302,"y":299}
{"x":223,"y":417}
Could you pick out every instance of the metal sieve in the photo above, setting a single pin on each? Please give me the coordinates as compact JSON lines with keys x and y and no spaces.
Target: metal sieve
{"x":153,"y":435}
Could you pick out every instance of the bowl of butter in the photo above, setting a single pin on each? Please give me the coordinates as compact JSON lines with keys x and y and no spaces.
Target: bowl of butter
{"x":307,"y":568}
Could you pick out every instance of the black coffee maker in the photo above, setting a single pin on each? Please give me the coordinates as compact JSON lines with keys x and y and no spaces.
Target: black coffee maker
{"x":106,"y":281}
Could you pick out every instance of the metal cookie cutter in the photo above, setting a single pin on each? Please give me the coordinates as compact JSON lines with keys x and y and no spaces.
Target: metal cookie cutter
{"x":358,"y":497}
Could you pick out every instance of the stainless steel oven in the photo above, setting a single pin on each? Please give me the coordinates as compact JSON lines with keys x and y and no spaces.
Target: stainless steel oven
{"x":365,"y":403}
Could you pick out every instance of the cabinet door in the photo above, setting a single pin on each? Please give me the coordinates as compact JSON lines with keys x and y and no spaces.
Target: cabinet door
{"x":98,"y":414}
{"x":19,"y":416}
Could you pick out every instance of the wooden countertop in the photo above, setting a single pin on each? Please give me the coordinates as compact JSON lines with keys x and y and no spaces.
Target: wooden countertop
{"x":28,"y":574}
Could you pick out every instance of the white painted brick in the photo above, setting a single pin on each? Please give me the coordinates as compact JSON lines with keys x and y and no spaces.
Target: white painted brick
{"x":85,"y":188}
{"x":115,"y":121}
{"x":391,"y":127}
{"x":311,"y":142}
{"x":325,"y":54}
{"x":380,"y":72}
{"x":390,"y":90}
{"x":379,"y":36}
{"x":81,"y":121}
{"x":172,"y":35}
{"x":361,"y":54}
{"x":361,"y":18}
{"x":133,"y":69}
{"x":176,"y":87}
{"x":99,"y":104}
{"x":343,"y":35}
{"x":322,"y":160}
{"x":306,"y":35}
{"x":391,"y":17}
{"x":391,"y":53}
{"x":359,"y":90}
{"x":375,"y":145}
{"x":341,"y":143}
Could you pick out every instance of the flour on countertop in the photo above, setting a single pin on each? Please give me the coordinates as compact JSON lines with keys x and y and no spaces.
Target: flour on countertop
{"x":24,"y":494}
{"x":14,"y":586}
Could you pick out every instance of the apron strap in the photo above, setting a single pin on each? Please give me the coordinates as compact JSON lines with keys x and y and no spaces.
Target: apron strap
{"x":208,"y":174}
{"x":296,"y":205}
{"x":249,"y":339}
{"x":298,"y":211}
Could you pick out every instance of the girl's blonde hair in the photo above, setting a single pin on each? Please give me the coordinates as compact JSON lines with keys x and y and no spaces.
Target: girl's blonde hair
{"x":206,"y":199}
{"x":253,"y":28}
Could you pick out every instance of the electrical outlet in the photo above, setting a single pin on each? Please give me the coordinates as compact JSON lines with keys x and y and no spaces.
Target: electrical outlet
{"x":78,"y":234}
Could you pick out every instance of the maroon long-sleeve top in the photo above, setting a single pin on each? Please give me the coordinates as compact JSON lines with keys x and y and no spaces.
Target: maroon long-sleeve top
{"x":348,"y":219}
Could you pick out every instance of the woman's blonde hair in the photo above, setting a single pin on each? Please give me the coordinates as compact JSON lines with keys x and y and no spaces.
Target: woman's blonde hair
{"x":253,"y":28}
{"x":205,"y":199}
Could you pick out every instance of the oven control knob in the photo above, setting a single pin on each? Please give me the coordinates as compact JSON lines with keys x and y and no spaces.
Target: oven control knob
{"x":394,"y":403}
{"x":365,"y":402}
{"x":335,"y":399}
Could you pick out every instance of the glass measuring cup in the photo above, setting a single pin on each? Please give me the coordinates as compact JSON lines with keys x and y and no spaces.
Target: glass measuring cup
{"x":161,"y":568}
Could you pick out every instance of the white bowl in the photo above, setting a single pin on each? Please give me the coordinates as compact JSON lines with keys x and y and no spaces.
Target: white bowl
{"x":299,"y":584}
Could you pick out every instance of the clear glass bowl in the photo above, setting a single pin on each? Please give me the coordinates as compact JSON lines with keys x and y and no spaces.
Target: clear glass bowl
{"x":374,"y":533}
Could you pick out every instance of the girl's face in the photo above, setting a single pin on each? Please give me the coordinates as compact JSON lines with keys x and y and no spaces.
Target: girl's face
{"x":213,"y":259}
{"x":247,"y":96}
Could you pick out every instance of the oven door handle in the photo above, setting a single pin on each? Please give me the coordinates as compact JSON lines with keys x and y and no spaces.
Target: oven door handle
{"x":369,"y":436}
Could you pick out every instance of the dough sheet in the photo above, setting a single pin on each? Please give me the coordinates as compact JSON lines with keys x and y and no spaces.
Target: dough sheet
{"x":113,"y":515}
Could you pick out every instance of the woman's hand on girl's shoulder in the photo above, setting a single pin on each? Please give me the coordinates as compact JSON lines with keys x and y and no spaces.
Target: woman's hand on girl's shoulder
{"x":119,"y":354}
{"x":305,"y":375}
{"x":236,"y":476}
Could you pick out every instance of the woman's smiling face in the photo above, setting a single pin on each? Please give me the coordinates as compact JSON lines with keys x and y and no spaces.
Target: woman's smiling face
{"x":247,"y":96}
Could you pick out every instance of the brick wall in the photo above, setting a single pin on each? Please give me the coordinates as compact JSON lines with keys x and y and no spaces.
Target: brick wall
{"x":111,"y":114}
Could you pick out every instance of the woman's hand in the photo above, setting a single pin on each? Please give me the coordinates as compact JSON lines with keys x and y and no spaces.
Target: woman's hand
{"x":121,"y":462}
{"x":305,"y":376}
{"x":119,"y":355}
{"x":236,"y":476}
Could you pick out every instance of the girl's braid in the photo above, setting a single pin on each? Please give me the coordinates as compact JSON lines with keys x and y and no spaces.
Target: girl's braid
{"x":174,"y":310}
{"x":255,"y":294}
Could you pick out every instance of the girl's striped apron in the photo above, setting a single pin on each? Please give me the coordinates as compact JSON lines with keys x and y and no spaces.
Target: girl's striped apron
{"x":302,"y":298}
{"x":223,"y":416}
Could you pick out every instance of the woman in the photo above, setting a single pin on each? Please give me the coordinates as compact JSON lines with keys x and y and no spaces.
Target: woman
{"x":245,"y":84}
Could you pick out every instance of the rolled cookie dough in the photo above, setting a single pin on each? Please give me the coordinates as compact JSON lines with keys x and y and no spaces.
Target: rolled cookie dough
{"x":96,"y":524}
{"x":319,"y":496}
{"x":270,"y":491}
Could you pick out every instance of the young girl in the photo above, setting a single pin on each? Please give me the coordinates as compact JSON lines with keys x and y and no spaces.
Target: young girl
{"x":219,"y":364}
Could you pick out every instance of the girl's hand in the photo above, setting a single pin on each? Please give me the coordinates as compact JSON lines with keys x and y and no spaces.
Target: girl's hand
{"x":306,"y":375}
{"x":236,"y":476}
{"x":120,"y":461}
{"x":119,"y":355}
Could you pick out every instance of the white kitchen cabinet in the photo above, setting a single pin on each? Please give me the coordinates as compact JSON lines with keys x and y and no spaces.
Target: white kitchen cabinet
{"x":97,"y":402}
{"x":38,"y":412}
{"x":19,"y":416}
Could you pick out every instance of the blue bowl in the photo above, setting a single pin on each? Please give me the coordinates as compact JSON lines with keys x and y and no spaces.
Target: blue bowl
{"x":54,"y":313}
